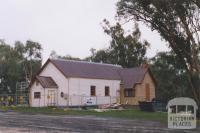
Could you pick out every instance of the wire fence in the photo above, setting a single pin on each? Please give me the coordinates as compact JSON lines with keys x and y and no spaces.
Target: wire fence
{"x":53,"y":99}
{"x":14,"y":99}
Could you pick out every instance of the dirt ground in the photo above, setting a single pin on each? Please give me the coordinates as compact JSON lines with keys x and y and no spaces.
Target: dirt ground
{"x":12,"y":122}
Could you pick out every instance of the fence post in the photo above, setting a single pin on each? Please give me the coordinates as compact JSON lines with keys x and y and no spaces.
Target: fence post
{"x":96,"y":100}
{"x":39,"y":102}
{"x":82,"y":100}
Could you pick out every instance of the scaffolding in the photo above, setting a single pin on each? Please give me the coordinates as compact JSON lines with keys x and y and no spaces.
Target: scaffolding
{"x":22,"y":94}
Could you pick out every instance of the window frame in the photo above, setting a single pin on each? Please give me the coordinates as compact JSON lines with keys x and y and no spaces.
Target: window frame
{"x":107,"y":91}
{"x":129,"y":92}
{"x":62,"y":94}
{"x":37,"y":96}
{"x":92,"y":91}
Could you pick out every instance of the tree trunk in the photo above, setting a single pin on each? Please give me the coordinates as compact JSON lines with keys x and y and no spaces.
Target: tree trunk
{"x":195,"y":91}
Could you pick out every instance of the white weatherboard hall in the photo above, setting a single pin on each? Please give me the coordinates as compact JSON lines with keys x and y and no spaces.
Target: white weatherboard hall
{"x":76,"y":83}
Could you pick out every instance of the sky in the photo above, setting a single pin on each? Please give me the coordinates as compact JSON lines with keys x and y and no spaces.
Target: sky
{"x":69,"y":27}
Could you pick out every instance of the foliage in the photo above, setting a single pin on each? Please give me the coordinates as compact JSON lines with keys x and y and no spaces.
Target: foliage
{"x":54,"y":55}
{"x":177,"y":22}
{"x":18,"y":63}
{"x":170,"y":76}
{"x":125,"y":48}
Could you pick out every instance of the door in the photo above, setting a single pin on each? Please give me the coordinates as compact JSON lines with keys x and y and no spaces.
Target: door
{"x":147,"y":91}
{"x":51,"y":97}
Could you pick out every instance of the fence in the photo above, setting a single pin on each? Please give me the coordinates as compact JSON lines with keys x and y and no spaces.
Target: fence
{"x":14,"y":99}
{"x":94,"y":100}
{"x":53,"y":99}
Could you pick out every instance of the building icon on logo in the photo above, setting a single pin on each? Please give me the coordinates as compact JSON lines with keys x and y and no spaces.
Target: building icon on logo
{"x":182,"y":113}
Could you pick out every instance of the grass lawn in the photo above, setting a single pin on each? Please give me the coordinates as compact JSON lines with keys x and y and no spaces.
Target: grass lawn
{"x":128,"y":113}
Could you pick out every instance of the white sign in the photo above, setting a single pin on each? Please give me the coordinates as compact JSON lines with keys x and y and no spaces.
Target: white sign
{"x":89,"y":101}
{"x":182,"y":113}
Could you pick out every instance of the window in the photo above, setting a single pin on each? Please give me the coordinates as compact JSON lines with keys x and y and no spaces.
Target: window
{"x":62,"y":94}
{"x":93,"y":91}
{"x":36,"y":95}
{"x":107,"y":91}
{"x":129,"y":92}
{"x":147,"y":92}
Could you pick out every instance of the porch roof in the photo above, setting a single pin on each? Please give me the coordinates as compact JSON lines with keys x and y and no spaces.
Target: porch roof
{"x":47,"y":82}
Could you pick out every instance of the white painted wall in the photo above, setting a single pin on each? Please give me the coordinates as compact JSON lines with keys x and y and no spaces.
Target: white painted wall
{"x":43,"y":101}
{"x":78,"y":89}
{"x":37,"y":102}
{"x":60,"y":79}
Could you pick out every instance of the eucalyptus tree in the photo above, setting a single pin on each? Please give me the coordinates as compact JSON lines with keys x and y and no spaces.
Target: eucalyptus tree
{"x":171,"y":77}
{"x":125,"y":48}
{"x":177,"y":22}
{"x":18,"y":63}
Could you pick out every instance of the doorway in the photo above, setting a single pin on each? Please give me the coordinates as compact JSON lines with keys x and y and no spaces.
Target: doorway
{"x":51,"y":98}
{"x":147,"y":92}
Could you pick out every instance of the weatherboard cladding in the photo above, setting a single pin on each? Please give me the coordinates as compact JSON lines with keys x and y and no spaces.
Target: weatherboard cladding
{"x":82,"y":69}
{"x":47,"y":82}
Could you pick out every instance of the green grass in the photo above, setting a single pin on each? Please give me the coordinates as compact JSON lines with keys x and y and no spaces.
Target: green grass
{"x":128,"y":113}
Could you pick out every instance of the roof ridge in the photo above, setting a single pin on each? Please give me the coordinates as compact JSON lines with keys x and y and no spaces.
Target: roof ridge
{"x":87,"y":62}
{"x":133,"y":68}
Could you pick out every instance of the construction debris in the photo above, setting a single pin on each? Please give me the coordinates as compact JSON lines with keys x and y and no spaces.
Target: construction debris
{"x":111,"y":106}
